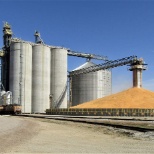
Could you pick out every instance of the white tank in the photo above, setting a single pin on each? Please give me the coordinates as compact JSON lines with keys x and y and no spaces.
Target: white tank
{"x":2,"y":93}
{"x":21,"y":74}
{"x":90,"y":86}
{"x":40,"y":78}
{"x":58,"y":78}
{"x":6,"y":98}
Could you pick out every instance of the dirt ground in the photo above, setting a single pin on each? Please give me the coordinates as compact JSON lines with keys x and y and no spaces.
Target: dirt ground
{"x":29,"y":135}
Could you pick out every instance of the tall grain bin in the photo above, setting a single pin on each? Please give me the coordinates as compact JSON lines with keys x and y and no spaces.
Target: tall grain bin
{"x":21,"y":74}
{"x":58,"y":78}
{"x":90,"y":86}
{"x":107,"y":77}
{"x":40,"y":78}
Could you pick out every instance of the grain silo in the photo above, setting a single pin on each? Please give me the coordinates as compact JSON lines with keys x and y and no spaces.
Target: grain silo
{"x":90,"y":86}
{"x":40,"y":78}
{"x":58,"y":78}
{"x":20,"y":79}
{"x":107,"y":82}
{"x":36,"y":74}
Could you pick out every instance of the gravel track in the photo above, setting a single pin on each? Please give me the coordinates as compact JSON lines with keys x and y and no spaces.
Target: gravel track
{"x":28,"y":135}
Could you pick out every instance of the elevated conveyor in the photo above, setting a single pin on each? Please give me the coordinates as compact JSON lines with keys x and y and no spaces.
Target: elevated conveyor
{"x":106,"y":65}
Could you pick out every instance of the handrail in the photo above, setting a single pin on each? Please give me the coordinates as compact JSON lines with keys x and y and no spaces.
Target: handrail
{"x":61,"y":97}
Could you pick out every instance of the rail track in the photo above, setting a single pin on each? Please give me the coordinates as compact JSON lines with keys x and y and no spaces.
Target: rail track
{"x":136,"y":124}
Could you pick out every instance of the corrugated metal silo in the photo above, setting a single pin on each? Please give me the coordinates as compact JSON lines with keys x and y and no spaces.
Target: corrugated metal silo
{"x":107,"y":75}
{"x":90,"y":86}
{"x":21,"y":74}
{"x":40,"y":78}
{"x":58,"y":78}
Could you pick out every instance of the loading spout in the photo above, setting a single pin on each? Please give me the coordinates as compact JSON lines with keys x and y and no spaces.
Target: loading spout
{"x":137,"y":67}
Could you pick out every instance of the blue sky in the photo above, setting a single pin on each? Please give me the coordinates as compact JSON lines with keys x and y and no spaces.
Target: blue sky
{"x":114,"y":28}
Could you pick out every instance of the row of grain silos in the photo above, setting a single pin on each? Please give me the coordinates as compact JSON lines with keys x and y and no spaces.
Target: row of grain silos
{"x":38,"y":76}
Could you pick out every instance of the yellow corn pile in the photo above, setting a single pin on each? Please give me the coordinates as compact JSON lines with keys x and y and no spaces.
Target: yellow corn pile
{"x":131,"y":98}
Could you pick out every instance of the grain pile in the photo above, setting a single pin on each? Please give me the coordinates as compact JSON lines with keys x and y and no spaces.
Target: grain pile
{"x":131,"y":98}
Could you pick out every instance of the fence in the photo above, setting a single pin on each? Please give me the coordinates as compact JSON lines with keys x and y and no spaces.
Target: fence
{"x":103,"y":112}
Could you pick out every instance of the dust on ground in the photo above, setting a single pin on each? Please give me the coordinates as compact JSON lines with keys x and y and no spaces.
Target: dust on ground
{"x":29,"y":135}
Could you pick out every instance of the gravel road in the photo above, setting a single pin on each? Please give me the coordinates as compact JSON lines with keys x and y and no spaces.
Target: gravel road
{"x":29,"y":135}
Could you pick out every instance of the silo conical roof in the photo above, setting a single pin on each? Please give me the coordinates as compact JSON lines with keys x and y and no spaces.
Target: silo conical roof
{"x":85,"y":65}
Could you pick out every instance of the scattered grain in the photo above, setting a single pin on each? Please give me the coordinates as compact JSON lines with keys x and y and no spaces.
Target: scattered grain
{"x":131,"y":98}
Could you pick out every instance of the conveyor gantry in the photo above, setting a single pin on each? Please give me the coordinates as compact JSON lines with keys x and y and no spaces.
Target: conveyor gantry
{"x":86,"y":55}
{"x":106,"y":65}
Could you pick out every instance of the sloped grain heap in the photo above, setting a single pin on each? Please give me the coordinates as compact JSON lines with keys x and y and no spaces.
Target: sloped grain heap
{"x":131,"y":98}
